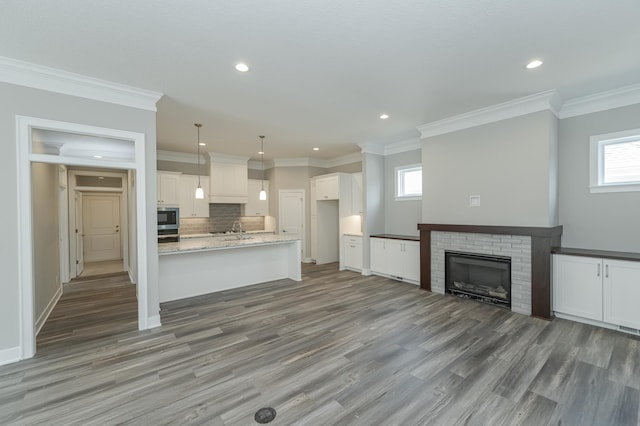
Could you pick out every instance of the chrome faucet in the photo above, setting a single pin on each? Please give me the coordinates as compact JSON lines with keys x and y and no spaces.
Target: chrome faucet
{"x":233,"y":228}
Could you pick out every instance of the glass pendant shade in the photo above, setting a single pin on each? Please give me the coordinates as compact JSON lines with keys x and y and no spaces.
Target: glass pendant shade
{"x":263,"y":194}
{"x":199,"y":190}
{"x":199,"y":193}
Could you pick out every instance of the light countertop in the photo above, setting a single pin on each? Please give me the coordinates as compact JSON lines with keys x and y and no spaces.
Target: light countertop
{"x":222,"y":242}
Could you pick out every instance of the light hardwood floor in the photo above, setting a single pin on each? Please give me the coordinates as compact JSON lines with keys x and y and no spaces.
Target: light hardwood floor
{"x":336,"y":349}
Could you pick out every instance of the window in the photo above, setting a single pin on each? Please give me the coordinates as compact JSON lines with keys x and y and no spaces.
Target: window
{"x":615,"y":162}
{"x":409,"y":182}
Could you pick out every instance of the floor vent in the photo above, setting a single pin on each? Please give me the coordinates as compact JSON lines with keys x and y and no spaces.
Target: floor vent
{"x":629,"y":330}
{"x":265,"y":415}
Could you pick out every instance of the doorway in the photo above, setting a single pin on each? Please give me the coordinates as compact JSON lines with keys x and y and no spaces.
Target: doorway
{"x":99,"y":232}
{"x":291,"y":214}
{"x":111,"y":148}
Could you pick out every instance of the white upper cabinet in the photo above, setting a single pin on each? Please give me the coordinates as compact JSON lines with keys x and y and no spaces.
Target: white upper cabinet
{"x":229,"y":181}
{"x":168,"y":188}
{"x":328,"y":188}
{"x":255,"y":206}
{"x":189,"y":205}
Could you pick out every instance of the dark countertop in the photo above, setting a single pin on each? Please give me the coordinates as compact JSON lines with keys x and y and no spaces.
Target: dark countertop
{"x":397,"y":237}
{"x":605,"y":254}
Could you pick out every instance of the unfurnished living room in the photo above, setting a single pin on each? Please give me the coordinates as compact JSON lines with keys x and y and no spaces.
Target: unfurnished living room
{"x":320,"y":213}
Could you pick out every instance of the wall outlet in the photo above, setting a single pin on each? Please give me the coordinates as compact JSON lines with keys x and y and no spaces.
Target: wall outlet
{"x":474,"y":201}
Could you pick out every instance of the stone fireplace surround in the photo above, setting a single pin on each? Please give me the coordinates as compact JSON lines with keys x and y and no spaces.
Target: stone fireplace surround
{"x":529,"y":249}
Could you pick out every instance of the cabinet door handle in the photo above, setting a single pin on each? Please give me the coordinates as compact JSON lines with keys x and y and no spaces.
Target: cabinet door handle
{"x":606,"y":271}
{"x":598,"y":269}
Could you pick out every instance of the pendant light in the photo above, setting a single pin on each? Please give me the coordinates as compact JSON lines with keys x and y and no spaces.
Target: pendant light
{"x":263,"y":193}
{"x":199,"y":190}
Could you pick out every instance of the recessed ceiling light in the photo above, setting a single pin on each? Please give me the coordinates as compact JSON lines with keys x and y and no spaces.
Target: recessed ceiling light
{"x":97,"y":156}
{"x":242,"y":67}
{"x":202,"y":144}
{"x":260,"y":152}
{"x":384,"y":116}
{"x":316,"y":149}
{"x":100,"y":177}
{"x":534,"y":64}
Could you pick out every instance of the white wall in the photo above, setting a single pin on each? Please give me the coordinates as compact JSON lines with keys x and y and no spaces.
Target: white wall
{"x":17,"y":100}
{"x":401,"y":217}
{"x":604,"y":221}
{"x":373,"y":182}
{"x":506,"y":163}
{"x":46,"y":241}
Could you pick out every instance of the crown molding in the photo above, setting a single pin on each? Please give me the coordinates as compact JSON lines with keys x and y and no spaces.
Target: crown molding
{"x":299,"y":162}
{"x":548,"y":100}
{"x":403,"y":146}
{"x":26,"y":74}
{"x":356,"y":157}
{"x":179,"y":157}
{"x":616,"y":98}
{"x":371,"y":148}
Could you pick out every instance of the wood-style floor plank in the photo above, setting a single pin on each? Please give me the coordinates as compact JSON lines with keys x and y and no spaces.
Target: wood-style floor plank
{"x":337,"y":348}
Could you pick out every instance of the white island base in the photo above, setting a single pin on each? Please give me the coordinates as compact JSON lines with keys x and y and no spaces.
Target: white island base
{"x":189,"y":273}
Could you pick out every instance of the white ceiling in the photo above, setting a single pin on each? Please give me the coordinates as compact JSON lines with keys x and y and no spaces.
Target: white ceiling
{"x":323,"y":71}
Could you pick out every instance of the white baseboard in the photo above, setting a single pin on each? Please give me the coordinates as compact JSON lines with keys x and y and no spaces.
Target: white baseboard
{"x":47,"y":311}
{"x":307,"y":260}
{"x":154,"y":321}
{"x":131,"y":277}
{"x":366,"y":272}
{"x":10,"y":355}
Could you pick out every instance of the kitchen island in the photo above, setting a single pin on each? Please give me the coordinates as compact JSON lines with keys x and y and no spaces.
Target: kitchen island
{"x":197,"y":266}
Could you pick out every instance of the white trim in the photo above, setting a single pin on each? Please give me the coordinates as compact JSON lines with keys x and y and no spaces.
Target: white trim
{"x":180,"y":157}
{"x":542,"y":101}
{"x":356,"y":157}
{"x":402,"y":170}
{"x":371,"y":148}
{"x":53,"y":80}
{"x":403,"y":146}
{"x":616,"y":98}
{"x":366,"y":271}
{"x":47,"y":311}
{"x":10,"y":355}
{"x":154,"y":321}
{"x":307,"y":260}
{"x":299,"y":162}
{"x":596,"y":162}
{"x":24,"y":126}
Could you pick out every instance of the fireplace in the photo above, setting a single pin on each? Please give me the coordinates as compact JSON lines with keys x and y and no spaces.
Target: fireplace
{"x":482,"y":277}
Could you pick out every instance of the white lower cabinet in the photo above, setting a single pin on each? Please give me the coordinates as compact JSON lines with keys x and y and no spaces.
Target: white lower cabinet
{"x":606,"y":291}
{"x":398,"y":259}
{"x":621,"y":293}
{"x":352,"y":249}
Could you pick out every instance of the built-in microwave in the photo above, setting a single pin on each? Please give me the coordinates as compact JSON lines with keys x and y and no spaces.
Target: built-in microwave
{"x":168,"y":218}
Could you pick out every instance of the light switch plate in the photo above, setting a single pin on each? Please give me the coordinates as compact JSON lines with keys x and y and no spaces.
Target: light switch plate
{"x":474,"y":201}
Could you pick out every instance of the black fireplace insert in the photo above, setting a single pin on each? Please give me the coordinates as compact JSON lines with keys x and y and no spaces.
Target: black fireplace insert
{"x":481,"y":277}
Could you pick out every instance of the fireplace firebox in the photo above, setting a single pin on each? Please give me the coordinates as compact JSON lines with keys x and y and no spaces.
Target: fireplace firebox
{"x":485,"y":278}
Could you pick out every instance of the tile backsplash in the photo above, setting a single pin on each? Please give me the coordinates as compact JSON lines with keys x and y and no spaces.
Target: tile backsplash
{"x":221,"y":218}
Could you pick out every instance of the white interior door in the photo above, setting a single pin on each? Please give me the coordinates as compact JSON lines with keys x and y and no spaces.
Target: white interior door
{"x":101,"y":224}
{"x":79,"y":232}
{"x":291,"y":213}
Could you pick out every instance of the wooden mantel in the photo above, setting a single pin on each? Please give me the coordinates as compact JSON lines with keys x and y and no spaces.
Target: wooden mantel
{"x":543,"y":240}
